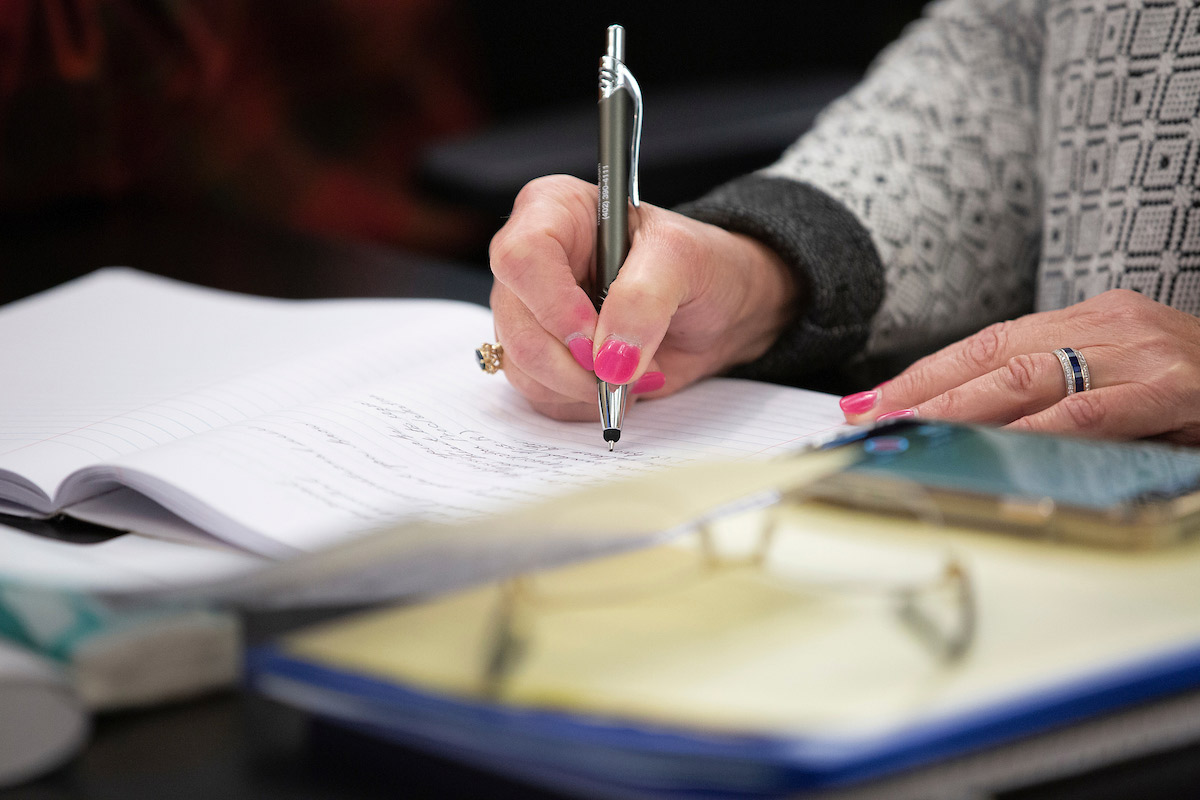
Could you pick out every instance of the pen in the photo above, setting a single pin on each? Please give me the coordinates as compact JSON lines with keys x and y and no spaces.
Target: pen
{"x":620,"y":135}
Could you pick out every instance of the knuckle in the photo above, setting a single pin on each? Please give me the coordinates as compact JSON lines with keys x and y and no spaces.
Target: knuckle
{"x":675,"y":243}
{"x":648,"y":290}
{"x":984,"y":348}
{"x":1021,"y":424}
{"x":554,"y":194}
{"x":539,"y":187}
{"x":509,"y":257}
{"x":1121,"y":297}
{"x":1122,"y":306}
{"x":1019,"y":374}
{"x":1085,"y":410}
{"x":951,"y":404}
{"x":500,"y":249}
{"x":527,"y":347}
{"x":907,"y":385}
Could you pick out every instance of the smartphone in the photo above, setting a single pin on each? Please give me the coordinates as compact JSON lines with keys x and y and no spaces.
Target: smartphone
{"x":1119,"y":494}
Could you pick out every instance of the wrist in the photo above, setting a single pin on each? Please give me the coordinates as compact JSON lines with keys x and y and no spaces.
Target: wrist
{"x":772,"y":298}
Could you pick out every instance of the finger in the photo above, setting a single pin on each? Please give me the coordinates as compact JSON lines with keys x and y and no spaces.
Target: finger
{"x":544,"y":252}
{"x":536,"y":352}
{"x":653,"y":382}
{"x":1123,"y":411}
{"x":547,"y":401}
{"x":1025,"y":385}
{"x":639,"y":307}
{"x":556,"y":406}
{"x":977,"y":355}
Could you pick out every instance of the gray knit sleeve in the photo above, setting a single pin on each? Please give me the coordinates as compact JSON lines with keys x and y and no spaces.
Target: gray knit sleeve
{"x":914,"y":200}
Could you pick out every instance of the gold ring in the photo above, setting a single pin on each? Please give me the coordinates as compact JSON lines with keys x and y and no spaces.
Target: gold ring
{"x":488,"y":357}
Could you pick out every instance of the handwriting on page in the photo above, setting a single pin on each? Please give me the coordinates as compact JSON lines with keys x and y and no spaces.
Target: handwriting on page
{"x":433,"y":471}
{"x":453,"y":445}
{"x":448,"y":449}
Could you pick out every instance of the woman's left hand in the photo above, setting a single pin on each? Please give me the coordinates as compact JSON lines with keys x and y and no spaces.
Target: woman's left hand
{"x":1143,"y":356}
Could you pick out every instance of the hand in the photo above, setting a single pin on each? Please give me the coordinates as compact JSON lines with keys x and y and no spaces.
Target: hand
{"x":690,"y":301}
{"x":1143,"y":356}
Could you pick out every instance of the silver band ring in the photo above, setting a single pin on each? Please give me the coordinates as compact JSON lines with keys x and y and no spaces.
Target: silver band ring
{"x":488,"y":357}
{"x":1075,"y":369}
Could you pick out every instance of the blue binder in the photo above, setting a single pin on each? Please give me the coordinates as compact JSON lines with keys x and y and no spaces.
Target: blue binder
{"x":614,"y":758}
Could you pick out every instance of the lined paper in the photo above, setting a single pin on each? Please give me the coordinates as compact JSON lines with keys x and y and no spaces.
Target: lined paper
{"x":287,"y":425}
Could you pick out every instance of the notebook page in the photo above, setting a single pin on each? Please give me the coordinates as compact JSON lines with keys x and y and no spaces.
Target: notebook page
{"x":454,"y":444}
{"x":286,"y":425}
{"x":120,"y":361}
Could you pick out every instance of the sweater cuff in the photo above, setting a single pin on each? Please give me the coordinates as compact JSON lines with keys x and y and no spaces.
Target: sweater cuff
{"x":831,"y":257}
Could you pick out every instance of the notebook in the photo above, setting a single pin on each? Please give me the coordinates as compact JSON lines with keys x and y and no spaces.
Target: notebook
{"x":755,"y":682}
{"x":282,"y":427}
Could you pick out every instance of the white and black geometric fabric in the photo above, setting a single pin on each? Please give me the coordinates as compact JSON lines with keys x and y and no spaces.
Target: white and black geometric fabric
{"x":1012,"y":154}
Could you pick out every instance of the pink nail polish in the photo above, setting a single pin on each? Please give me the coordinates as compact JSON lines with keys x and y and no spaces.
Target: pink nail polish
{"x":650,"y":382}
{"x":581,"y":349}
{"x":859,"y":403}
{"x":903,"y":413}
{"x":617,"y":361}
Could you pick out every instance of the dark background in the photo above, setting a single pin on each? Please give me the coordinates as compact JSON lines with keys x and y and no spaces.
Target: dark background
{"x":540,"y":54}
{"x":716,"y":78}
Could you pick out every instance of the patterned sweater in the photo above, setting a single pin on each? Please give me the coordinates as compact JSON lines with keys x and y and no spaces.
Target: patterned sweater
{"x":1002,"y":156}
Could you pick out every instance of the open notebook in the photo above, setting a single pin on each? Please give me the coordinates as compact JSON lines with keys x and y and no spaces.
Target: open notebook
{"x":283,"y":426}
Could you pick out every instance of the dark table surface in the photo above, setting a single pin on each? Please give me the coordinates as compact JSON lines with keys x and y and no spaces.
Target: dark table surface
{"x":235,"y":745}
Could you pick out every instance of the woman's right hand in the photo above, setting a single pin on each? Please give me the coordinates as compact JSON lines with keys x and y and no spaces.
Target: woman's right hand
{"x":691,"y":300}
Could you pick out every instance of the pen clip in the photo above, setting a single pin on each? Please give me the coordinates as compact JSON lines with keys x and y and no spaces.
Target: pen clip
{"x":636,"y":92}
{"x":614,"y":76}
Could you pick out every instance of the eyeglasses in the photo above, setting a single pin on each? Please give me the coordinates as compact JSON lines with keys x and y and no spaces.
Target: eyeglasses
{"x":926,"y":590}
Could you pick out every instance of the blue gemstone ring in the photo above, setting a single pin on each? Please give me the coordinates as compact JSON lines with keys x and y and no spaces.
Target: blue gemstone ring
{"x":1075,"y":369}
{"x":488,"y":356}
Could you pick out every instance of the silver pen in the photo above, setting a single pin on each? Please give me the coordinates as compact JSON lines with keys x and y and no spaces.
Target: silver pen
{"x":620,"y":135}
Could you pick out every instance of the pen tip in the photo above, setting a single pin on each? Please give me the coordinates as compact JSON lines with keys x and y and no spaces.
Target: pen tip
{"x":611,"y":445}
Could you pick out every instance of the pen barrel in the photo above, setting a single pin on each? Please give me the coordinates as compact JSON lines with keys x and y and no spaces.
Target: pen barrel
{"x":612,"y":178}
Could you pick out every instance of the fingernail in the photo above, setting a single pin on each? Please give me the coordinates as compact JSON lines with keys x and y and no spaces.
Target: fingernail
{"x":859,"y":403}
{"x":650,"y":382}
{"x":903,"y":413}
{"x":617,"y":361}
{"x":581,"y":347}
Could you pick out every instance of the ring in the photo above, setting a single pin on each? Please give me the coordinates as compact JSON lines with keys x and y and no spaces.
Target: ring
{"x":1075,"y":369}
{"x":488,"y":357}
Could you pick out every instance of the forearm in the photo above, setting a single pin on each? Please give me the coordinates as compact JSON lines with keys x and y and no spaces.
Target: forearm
{"x":910,"y":209}
{"x":934,"y":153}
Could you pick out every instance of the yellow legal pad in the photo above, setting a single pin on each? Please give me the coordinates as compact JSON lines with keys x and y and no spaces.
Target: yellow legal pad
{"x":806,"y":646}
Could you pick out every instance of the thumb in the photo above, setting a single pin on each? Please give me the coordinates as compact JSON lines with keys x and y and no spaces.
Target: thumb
{"x":636,"y":314}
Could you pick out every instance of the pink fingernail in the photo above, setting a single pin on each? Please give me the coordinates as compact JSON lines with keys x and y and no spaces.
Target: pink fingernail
{"x":903,"y":413}
{"x":617,"y":361}
{"x":650,"y":382}
{"x":581,"y":347}
{"x":859,"y":403}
